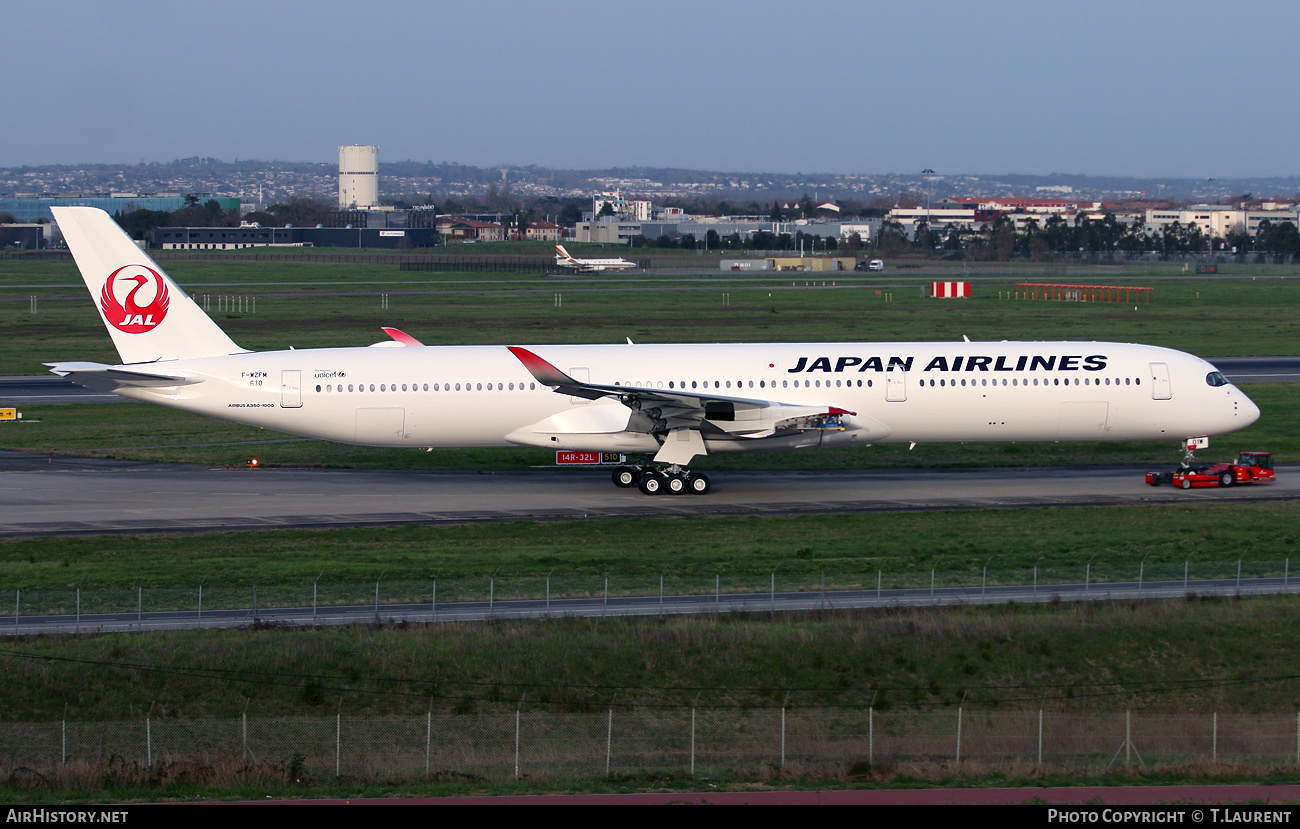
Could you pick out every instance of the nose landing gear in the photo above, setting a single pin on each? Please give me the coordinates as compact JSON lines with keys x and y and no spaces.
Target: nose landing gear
{"x":672,"y":479}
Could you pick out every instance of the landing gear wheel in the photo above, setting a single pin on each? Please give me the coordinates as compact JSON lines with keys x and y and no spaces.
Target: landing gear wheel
{"x":1227,"y":479}
{"x":651,"y":483}
{"x":699,"y":484}
{"x":1187,"y":484}
{"x":675,"y":484}
{"x":626,"y":477}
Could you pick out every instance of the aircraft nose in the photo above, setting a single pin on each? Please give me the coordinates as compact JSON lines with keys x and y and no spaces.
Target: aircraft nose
{"x":1247,"y":410}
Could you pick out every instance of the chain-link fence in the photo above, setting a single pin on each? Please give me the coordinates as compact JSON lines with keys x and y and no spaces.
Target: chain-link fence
{"x":497,"y":591}
{"x":618,"y":742}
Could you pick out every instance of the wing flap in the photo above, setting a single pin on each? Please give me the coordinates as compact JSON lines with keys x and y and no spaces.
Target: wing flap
{"x":735,"y":415}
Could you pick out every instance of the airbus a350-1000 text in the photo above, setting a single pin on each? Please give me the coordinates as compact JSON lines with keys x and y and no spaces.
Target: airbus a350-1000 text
{"x":668,"y":403}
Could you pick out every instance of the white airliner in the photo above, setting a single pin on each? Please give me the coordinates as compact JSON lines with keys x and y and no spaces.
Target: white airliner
{"x":669,"y":403}
{"x":562,"y":257}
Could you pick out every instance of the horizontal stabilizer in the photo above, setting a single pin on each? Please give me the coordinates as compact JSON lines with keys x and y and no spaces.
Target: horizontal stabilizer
{"x":103,"y":377}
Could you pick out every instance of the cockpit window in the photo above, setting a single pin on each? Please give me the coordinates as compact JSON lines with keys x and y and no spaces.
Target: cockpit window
{"x":1215,"y":378}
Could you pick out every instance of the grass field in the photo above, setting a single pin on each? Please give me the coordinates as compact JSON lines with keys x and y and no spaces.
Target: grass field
{"x":849,"y":548}
{"x":308,"y":305}
{"x":1075,"y":657}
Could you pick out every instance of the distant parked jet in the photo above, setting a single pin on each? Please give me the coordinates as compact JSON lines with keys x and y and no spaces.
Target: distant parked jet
{"x":562,"y":257}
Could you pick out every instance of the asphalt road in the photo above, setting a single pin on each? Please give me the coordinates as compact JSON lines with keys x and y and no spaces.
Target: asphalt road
{"x":41,"y":495}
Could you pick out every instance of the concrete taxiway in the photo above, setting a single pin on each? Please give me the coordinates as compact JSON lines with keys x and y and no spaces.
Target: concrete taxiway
{"x":72,"y":496}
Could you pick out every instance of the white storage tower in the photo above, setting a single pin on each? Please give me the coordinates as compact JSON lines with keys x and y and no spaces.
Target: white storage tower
{"x":358,"y":176}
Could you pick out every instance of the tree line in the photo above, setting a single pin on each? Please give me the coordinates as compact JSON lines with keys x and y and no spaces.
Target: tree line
{"x":1056,"y":235}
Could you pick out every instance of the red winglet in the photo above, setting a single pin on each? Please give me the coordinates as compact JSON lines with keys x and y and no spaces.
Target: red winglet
{"x":835,"y":410}
{"x":546,"y":374}
{"x":401,"y":336}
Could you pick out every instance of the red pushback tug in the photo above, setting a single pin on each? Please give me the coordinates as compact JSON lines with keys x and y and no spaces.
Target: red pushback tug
{"x":1251,"y":467}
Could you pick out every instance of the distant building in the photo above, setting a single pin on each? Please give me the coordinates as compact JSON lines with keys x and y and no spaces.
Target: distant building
{"x":30,"y":207}
{"x":461,"y":229}
{"x":358,"y":176}
{"x":542,"y":232}
{"x":1217,"y":220}
{"x":23,"y":236}
{"x":236,"y":238}
{"x":610,"y":232}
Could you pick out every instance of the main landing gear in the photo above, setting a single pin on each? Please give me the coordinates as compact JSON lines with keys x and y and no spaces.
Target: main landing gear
{"x":673,"y":480}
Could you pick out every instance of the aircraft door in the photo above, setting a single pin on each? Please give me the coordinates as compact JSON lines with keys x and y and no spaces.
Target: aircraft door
{"x":896,"y":386}
{"x":582,"y":375}
{"x":1160,"y":386}
{"x":290,"y":389}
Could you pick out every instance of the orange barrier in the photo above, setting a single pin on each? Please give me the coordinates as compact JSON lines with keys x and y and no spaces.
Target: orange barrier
{"x":1082,"y":293}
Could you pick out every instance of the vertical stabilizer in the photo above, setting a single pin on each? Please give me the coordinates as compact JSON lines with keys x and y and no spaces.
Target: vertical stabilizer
{"x":148,"y":316}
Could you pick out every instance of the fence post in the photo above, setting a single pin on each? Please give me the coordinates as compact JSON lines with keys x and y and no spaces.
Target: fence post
{"x":692,"y":742}
{"x":959,"y":734}
{"x":338,"y":738}
{"x":1040,"y":736}
{"x":148,"y":742}
{"x":609,"y":741}
{"x":1214,"y":743}
{"x":243,"y":732}
{"x":783,"y":737}
{"x":428,"y":738}
{"x":64,"y":740}
{"x":516,"y":743}
{"x":871,"y":736}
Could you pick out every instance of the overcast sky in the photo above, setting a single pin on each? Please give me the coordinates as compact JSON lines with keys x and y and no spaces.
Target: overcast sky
{"x":1190,"y":88}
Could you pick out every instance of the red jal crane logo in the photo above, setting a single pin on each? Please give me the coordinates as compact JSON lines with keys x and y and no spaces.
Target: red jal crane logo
{"x":131,"y":316}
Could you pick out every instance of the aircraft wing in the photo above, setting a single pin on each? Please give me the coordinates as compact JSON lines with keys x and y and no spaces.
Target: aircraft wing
{"x":673,"y":409}
{"x":102,"y":377}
